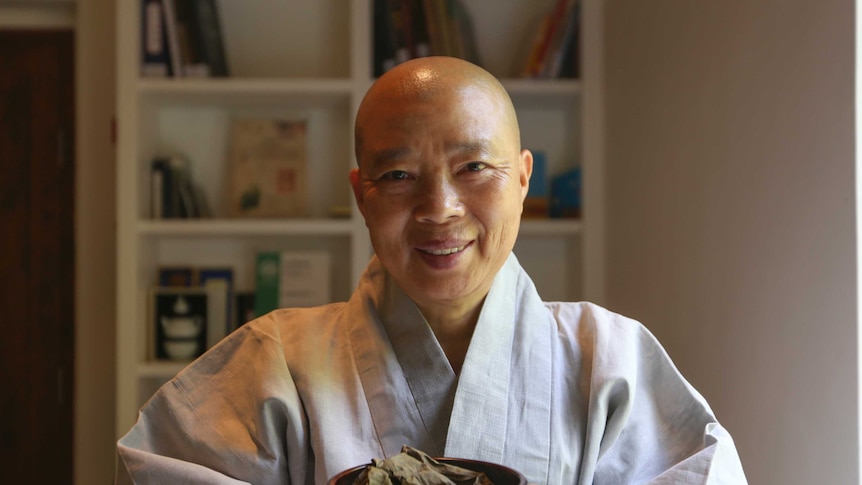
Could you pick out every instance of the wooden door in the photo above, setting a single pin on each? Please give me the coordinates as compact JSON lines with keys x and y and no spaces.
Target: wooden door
{"x":36,"y":256}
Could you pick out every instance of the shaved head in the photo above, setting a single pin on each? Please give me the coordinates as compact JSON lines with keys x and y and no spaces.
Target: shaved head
{"x":441,"y":181}
{"x":425,"y":80}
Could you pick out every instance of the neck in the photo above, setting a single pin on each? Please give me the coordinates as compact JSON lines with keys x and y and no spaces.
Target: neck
{"x":453,"y":330}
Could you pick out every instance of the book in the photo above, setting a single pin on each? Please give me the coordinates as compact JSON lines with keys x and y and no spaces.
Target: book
{"x":172,"y":192}
{"x":463,"y":35}
{"x":155,"y":61}
{"x":206,"y":31}
{"x":289,"y":279}
{"x":419,"y":27}
{"x":564,"y":41}
{"x":434,"y":24}
{"x":170,"y":23}
{"x":244,"y":308}
{"x":188,"y":46}
{"x":159,"y":179}
{"x":220,"y":287}
{"x":384,"y":42}
{"x":553,"y":41}
{"x":536,"y":204}
{"x":570,"y":62}
{"x":399,"y":24}
{"x":172,"y":276}
{"x":267,"y":173}
{"x":566,"y":194}
{"x":218,"y":300}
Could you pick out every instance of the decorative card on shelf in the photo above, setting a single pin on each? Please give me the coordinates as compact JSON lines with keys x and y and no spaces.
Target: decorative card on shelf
{"x":285,"y":279}
{"x":178,"y":323}
{"x":267,"y":175}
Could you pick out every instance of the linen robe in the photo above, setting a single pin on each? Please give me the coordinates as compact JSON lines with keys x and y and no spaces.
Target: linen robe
{"x":566,"y":393}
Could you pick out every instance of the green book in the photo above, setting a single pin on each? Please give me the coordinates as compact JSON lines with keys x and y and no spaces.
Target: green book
{"x":289,"y":279}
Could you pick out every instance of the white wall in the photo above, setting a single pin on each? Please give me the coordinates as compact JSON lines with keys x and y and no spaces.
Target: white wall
{"x":731,"y":224}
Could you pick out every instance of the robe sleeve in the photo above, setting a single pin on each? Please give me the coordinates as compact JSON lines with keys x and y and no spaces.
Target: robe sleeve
{"x":646,"y":423}
{"x":232,"y":416}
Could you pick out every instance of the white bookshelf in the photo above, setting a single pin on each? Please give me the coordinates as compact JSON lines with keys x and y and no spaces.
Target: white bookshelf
{"x":313,"y":59}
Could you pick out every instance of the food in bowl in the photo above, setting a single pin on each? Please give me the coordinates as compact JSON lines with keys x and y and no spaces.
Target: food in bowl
{"x":414,"y":466}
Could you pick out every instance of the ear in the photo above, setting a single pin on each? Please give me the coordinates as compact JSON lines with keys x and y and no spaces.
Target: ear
{"x":356,"y":183}
{"x":526,"y":170}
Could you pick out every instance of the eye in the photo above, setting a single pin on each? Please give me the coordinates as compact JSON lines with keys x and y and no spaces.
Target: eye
{"x":395,"y":175}
{"x":476,"y":167}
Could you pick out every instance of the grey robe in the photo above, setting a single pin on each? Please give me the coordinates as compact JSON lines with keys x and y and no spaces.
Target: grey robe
{"x":567,"y":393}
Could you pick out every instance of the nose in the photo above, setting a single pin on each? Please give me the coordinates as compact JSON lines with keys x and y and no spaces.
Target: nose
{"x":438,"y":201}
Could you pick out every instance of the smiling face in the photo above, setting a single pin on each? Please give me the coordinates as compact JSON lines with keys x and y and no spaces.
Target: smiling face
{"x":441,"y":179}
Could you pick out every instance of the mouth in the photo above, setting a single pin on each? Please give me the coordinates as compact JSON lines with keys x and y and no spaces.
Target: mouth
{"x":443,"y":251}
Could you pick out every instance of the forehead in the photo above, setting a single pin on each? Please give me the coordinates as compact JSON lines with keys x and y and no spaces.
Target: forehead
{"x":465,"y":119}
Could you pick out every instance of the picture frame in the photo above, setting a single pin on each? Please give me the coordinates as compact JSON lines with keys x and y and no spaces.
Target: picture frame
{"x":178,"y":323}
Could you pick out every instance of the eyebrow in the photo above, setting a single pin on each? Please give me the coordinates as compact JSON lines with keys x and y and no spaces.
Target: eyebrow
{"x":390,"y":154}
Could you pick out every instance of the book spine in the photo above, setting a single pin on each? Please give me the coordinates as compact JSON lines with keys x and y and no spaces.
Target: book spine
{"x":266,"y":284}
{"x":207,"y":31}
{"x":188,"y":45}
{"x":157,"y":189}
{"x":399,"y":26}
{"x":432,"y":24}
{"x":419,"y":27}
{"x":163,"y":181}
{"x":169,"y":14}
{"x":441,"y":16}
{"x":534,"y":61}
{"x":154,"y":54}
{"x":384,"y":46}
{"x":565,"y":29}
{"x":571,"y":55}
{"x":218,"y":296}
{"x":177,"y":185}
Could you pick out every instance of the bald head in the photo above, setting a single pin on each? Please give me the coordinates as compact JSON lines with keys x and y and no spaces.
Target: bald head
{"x":424,"y":81}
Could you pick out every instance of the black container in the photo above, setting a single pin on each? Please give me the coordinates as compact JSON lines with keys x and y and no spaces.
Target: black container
{"x":498,"y":474}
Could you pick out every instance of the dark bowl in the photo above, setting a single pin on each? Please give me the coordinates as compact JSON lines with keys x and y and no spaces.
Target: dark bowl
{"x":498,"y":474}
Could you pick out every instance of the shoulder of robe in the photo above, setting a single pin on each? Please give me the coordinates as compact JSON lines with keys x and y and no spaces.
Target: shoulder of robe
{"x":586,"y":324}
{"x":283,"y":326}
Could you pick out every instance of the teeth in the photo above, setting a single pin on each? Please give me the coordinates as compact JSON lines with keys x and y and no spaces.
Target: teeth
{"x":444,"y":252}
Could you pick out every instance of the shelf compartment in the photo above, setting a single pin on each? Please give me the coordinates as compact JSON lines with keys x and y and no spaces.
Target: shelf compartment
{"x":199,"y":128}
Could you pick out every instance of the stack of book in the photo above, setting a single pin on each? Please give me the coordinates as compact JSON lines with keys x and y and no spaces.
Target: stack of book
{"x":405,"y":29}
{"x":555,"y":49}
{"x":182,"y":38}
{"x":173,"y":193}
